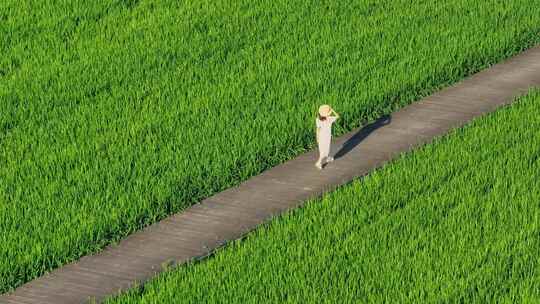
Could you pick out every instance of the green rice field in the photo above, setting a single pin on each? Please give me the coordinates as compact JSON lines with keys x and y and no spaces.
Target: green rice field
{"x":457,"y":221}
{"x":116,"y":113}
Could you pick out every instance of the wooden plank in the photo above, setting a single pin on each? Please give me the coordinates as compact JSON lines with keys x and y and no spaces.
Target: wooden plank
{"x":103,"y":275}
{"x":17,"y":299}
{"x":250,"y":210}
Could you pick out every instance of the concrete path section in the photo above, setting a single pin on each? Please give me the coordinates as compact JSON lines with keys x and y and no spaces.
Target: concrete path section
{"x":228,"y":215}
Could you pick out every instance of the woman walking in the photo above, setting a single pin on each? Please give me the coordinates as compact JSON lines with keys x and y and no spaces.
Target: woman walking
{"x":324,"y":123}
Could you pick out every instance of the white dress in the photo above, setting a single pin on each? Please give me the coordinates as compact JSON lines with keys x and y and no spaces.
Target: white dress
{"x":325,"y":135}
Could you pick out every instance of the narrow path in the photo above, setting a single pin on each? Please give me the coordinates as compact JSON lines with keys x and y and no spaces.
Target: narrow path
{"x":230,"y":214}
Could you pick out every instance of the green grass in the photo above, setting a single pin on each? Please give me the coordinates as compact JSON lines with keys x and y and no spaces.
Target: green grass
{"x":456,"y":221}
{"x":117,"y":113}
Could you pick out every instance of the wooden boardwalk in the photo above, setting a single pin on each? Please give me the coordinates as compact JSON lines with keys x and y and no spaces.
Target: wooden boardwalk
{"x":230,"y":214}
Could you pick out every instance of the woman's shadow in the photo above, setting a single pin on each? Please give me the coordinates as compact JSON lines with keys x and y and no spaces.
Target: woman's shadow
{"x":361,"y":135}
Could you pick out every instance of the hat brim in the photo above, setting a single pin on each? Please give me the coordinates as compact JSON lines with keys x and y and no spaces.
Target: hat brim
{"x":325,"y":113}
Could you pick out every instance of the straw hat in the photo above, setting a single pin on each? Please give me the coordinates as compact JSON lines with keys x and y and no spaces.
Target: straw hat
{"x":325,"y":110}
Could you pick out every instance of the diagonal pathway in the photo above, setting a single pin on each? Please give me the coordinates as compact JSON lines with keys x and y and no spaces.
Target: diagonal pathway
{"x":197,"y":231}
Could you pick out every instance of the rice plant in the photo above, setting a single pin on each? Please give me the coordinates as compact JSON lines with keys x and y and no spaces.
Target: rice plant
{"x":116,"y":113}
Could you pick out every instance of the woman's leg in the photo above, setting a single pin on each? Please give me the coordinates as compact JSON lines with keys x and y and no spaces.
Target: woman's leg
{"x":322,"y":155}
{"x":324,"y":148}
{"x":329,"y":158}
{"x":318,"y":164}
